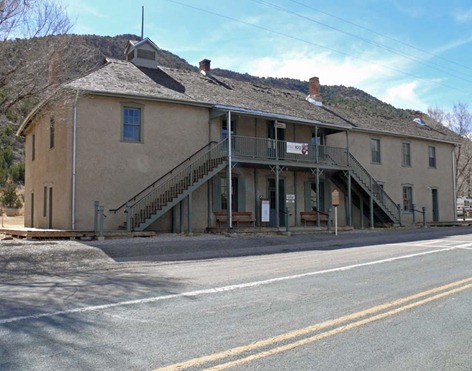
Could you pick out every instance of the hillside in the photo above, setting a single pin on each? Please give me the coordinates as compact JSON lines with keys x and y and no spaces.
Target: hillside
{"x":25,"y":70}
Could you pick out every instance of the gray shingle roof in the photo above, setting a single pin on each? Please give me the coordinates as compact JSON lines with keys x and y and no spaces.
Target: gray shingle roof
{"x":124,"y":78}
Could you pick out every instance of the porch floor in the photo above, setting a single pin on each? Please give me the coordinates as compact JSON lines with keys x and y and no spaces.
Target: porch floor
{"x":47,"y":234}
{"x":274,"y":230}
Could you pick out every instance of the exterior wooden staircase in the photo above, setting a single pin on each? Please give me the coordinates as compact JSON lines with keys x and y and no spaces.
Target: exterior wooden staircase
{"x":173,"y":187}
{"x":363,"y":187}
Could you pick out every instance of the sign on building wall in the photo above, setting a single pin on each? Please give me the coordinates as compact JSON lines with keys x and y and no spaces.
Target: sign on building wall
{"x":298,"y":148}
{"x":290,"y":198}
{"x":265,"y":211}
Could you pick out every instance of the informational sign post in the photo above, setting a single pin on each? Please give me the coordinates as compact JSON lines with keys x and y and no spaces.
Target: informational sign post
{"x":265,"y":211}
{"x":335,"y":203}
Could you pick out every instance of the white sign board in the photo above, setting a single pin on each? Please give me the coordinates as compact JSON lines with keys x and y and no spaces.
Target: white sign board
{"x":265,"y":211}
{"x":290,"y":198}
{"x":298,"y":148}
{"x":335,"y":198}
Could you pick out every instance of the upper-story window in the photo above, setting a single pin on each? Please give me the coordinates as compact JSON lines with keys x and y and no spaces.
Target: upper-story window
{"x":375,"y":150}
{"x":33,"y":147}
{"x":406,"y":154}
{"x":52,"y":132}
{"x":432,"y":156}
{"x":132,"y":126}
{"x":224,"y":128}
{"x":146,"y":54}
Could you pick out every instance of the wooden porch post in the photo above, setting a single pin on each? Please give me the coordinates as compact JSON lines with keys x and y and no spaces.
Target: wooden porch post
{"x":318,"y":222}
{"x":229,"y":182}
{"x":277,"y":190}
{"x":189,"y":211}
{"x":361,"y":207}
{"x":371,"y":206}
{"x":349,"y":199}
{"x":182,"y":217}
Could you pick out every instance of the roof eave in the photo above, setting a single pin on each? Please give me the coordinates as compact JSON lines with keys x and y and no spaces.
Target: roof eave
{"x":404,"y":135}
{"x":281,"y":117}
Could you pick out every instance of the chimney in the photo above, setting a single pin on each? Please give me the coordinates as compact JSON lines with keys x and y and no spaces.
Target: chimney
{"x":54,"y":69}
{"x":314,"y":96}
{"x":204,"y":66}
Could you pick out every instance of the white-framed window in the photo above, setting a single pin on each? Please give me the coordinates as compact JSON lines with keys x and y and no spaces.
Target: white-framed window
{"x":407,"y":197}
{"x":375,"y":150}
{"x":132,"y":123}
{"x":406,"y":154}
{"x":432,"y":156}
{"x":146,"y":54}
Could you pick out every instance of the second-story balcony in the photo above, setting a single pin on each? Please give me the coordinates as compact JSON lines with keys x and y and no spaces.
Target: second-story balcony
{"x":272,"y":152}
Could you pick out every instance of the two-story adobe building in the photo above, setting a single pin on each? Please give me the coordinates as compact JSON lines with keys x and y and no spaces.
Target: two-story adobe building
{"x":172,"y":150}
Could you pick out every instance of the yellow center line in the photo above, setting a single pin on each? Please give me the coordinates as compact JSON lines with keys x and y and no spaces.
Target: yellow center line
{"x":335,"y":331}
{"x":296,"y":333}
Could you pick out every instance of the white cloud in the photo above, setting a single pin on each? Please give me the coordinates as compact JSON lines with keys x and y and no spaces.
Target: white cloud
{"x":464,"y":16}
{"x":404,"y":95}
{"x":78,"y":7}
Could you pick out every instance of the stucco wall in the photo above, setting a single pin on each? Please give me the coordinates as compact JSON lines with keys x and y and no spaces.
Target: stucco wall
{"x":419,"y":175}
{"x":112,"y":171}
{"x":51,"y":168}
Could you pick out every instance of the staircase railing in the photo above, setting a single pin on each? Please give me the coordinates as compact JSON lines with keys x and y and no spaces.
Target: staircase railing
{"x":169,"y":188}
{"x":175,"y":169}
{"x":374,"y":187}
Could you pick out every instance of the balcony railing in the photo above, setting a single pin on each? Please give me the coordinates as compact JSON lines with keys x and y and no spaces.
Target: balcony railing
{"x":270,"y":149}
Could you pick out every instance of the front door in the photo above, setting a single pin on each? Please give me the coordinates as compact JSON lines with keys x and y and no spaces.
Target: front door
{"x":274,"y":134}
{"x":50,"y":209}
{"x":435,"y":204}
{"x":272,"y":198}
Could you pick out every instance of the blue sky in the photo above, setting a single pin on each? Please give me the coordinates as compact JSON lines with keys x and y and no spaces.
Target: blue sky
{"x":409,"y":53}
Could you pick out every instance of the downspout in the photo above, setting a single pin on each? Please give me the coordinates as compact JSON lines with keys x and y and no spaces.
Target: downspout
{"x":74,"y":158}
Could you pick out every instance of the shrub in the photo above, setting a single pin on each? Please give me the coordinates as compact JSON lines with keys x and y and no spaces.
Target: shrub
{"x":9,"y":196}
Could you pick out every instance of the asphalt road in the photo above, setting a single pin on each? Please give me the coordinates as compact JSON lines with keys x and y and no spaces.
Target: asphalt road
{"x":382,"y":304}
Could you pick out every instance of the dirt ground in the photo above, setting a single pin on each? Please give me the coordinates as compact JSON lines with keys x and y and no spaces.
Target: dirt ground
{"x":12,"y":221}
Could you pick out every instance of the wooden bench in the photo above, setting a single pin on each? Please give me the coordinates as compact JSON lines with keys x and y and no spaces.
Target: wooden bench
{"x":311,"y":216}
{"x":236,"y":216}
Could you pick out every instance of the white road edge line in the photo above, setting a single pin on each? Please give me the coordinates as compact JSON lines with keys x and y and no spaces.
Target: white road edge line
{"x":217,"y":289}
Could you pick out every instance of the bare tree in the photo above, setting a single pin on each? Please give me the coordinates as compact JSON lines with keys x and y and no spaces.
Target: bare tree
{"x":460,"y":122}
{"x":25,"y":63}
{"x":32,"y":18}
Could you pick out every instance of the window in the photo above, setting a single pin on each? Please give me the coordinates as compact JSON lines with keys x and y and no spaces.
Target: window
{"x":45,"y":201}
{"x":224,"y":128}
{"x":32,"y":210}
{"x":407,"y":198}
{"x":375,"y":150}
{"x":432,"y":156}
{"x":132,"y":124}
{"x":406,"y":154}
{"x":224,"y":193}
{"x":146,"y":54}
{"x":33,"y":147}
{"x":52,"y":128}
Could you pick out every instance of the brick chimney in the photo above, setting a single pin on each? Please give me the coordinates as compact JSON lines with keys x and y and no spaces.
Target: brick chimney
{"x":204,"y":66}
{"x":54,"y":69}
{"x":314,"y":96}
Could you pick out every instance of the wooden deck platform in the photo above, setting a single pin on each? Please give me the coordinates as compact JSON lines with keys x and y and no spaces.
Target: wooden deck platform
{"x":47,"y":234}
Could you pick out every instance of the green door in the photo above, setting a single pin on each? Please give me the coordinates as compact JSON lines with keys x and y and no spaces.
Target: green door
{"x":273,"y":204}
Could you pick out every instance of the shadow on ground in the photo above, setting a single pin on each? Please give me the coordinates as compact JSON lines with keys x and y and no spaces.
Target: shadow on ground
{"x":156,"y":249}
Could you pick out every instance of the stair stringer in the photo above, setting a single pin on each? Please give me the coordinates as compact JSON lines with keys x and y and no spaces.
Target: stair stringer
{"x":181,"y":197}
